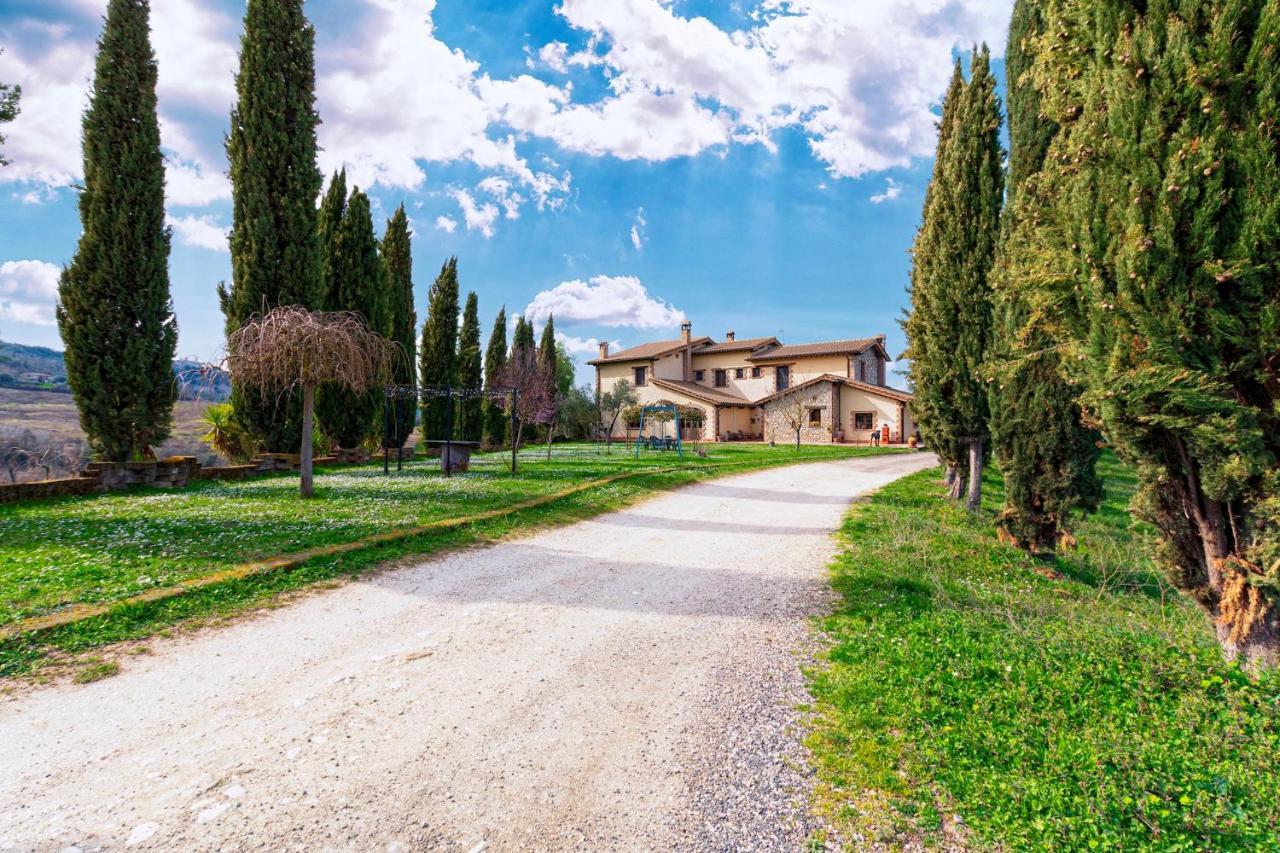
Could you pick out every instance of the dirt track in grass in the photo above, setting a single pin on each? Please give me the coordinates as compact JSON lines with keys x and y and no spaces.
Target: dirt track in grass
{"x":627,"y":682}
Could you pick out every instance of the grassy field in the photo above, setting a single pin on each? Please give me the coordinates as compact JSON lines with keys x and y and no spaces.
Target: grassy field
{"x":100,"y":548}
{"x":976,"y":697}
{"x":52,"y":418}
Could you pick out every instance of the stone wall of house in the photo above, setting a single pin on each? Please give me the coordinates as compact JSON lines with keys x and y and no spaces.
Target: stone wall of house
{"x":871,"y":364}
{"x":778,"y":429}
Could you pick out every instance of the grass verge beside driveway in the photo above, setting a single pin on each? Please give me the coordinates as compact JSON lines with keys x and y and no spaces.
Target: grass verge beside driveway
{"x":975,"y":696}
{"x":109,"y":548}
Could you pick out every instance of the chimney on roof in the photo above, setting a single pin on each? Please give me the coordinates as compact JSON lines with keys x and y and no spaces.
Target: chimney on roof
{"x":729,"y":335}
{"x":686,"y":331}
{"x":604,"y":349}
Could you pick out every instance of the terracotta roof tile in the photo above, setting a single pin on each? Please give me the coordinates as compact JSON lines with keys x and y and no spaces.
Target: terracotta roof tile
{"x":644,"y":352}
{"x":702,"y":392}
{"x":735,"y":346}
{"x":850,"y":346}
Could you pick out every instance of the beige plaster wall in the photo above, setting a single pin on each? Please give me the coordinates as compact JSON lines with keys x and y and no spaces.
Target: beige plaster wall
{"x":884,"y":411}
{"x":751,"y":389}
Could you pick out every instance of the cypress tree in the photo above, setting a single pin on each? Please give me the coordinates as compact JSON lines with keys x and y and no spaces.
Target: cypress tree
{"x":114,"y":312}
{"x":495,"y":358}
{"x":1159,"y":248}
{"x":547,"y":350}
{"x":333,"y":209}
{"x":522,"y":338}
{"x":438,"y":362}
{"x":275,"y":258}
{"x":949,"y":326}
{"x":397,"y":264}
{"x":1047,"y":454}
{"x":470,"y":425}
{"x":353,"y":272}
{"x":925,"y":364}
{"x":549,"y":363}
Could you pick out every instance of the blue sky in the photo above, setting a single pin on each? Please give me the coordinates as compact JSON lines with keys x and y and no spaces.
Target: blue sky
{"x":755,"y":165}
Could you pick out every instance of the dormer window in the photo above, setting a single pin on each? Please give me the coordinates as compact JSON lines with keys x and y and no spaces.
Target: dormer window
{"x":639,"y":375}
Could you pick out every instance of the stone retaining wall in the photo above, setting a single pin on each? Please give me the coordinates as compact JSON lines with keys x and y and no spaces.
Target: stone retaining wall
{"x":174,"y":472}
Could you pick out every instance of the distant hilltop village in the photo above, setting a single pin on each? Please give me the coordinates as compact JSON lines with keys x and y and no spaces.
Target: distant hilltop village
{"x":42,"y":369}
{"x":751,"y":389}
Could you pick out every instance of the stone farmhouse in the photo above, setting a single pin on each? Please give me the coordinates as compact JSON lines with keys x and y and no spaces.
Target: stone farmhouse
{"x":758,"y":389}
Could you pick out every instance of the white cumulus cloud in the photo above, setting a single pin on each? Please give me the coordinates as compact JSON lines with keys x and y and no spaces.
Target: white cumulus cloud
{"x":203,"y":232}
{"x":478,"y":217}
{"x":446,"y":224}
{"x":607,"y":300}
{"x":892,"y":190}
{"x":29,"y":291}
{"x":637,"y":230}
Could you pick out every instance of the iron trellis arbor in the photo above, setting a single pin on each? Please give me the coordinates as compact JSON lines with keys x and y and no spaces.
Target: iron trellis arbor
{"x":435,"y":392}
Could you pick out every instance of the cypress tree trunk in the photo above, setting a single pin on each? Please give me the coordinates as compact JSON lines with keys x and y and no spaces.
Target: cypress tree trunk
{"x":438,"y":365}
{"x":974,"y":501}
{"x":114,"y":311}
{"x":495,"y":358}
{"x":397,"y":262}
{"x":305,"y":464}
{"x":1159,"y":247}
{"x":271,"y":146}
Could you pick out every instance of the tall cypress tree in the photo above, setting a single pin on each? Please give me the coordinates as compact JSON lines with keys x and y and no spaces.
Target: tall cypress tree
{"x":495,"y":358}
{"x":275,"y":258}
{"x":1159,"y":242}
{"x":438,"y":361}
{"x":353,"y":272}
{"x":333,"y":209}
{"x":114,"y":312}
{"x":549,"y":363}
{"x":470,"y":425}
{"x":397,"y":264}
{"x":522,"y":337}
{"x":949,"y":326}
{"x":1047,"y":454}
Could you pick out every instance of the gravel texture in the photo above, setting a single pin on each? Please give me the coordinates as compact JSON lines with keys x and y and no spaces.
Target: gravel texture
{"x":628,"y":682}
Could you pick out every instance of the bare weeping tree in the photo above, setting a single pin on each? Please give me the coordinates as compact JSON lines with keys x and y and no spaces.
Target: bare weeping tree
{"x":795,"y":412}
{"x":291,"y":347}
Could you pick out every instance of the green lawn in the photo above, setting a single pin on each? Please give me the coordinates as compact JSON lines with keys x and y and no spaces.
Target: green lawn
{"x":99,"y":548}
{"x":1073,"y":705}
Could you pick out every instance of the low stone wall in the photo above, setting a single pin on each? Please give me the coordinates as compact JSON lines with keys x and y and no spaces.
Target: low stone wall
{"x":174,"y":472}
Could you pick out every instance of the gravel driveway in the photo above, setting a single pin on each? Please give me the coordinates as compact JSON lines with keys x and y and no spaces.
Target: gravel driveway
{"x":624,"y":683}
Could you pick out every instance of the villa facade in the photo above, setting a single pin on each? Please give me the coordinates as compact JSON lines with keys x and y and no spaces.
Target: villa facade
{"x":760,"y":388}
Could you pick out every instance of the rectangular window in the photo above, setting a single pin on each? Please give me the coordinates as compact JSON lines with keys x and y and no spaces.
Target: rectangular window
{"x":699,"y":375}
{"x":722,"y":379}
{"x":815,"y":417}
{"x":864,"y":420}
{"x":782,"y":376}
{"x":739,"y":372}
{"x":862,"y":372}
{"x":756,"y":371}
{"x":639,"y":374}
